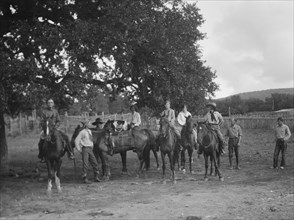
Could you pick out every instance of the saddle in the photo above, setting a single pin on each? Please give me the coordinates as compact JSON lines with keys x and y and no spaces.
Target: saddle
{"x":123,"y":138}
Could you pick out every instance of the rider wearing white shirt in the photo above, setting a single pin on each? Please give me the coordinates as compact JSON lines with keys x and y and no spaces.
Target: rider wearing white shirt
{"x":181,"y":119}
{"x":135,"y":118}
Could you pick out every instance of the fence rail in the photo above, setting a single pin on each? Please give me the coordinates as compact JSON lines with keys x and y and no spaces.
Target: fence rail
{"x":22,"y":125}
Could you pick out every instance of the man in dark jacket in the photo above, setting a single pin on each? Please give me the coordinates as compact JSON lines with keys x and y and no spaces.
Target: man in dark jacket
{"x":52,"y":114}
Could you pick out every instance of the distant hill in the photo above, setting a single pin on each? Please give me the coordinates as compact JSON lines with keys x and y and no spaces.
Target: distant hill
{"x":263,"y":93}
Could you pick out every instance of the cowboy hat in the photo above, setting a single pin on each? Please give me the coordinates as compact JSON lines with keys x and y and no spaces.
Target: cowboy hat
{"x":98,"y":121}
{"x":212,"y":104}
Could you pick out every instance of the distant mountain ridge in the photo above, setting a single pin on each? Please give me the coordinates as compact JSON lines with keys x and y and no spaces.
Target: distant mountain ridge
{"x":262,"y":94}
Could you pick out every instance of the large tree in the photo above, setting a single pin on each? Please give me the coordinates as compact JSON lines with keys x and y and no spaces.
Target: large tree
{"x":145,"y":49}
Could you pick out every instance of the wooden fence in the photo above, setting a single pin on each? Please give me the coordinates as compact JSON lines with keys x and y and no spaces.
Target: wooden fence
{"x":21,"y":125}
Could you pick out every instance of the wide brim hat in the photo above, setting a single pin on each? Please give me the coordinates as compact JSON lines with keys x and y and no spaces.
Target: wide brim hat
{"x":211,"y":104}
{"x":98,"y":121}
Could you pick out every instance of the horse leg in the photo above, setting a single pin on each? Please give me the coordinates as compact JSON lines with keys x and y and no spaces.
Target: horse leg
{"x":163,"y":167}
{"x":172,"y":166}
{"x":49,"y":185}
{"x":190,"y":152}
{"x":206,"y":165}
{"x":106,"y":167}
{"x":211,"y":166}
{"x":216,"y":167}
{"x":183,"y":160}
{"x":156,"y":158}
{"x":124,"y":162}
{"x":57,"y":175}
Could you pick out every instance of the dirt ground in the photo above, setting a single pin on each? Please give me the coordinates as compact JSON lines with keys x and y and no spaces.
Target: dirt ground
{"x":254,"y":192}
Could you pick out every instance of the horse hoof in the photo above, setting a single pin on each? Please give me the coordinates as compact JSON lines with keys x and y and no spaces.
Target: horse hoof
{"x":174,"y":182}
{"x":184,"y":171}
{"x":158,"y":168}
{"x":59,"y":190}
{"x":192,"y":172}
{"x":205,"y":179}
{"x":164,"y":182}
{"x":221,"y":179}
{"x":124,"y":173}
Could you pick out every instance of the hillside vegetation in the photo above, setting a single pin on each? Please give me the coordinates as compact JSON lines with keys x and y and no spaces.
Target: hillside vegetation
{"x":263,"y":94}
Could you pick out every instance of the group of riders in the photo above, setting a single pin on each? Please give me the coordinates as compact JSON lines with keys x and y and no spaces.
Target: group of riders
{"x":213,"y":118}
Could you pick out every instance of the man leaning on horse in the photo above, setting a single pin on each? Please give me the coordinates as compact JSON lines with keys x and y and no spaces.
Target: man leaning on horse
{"x":50,"y":113}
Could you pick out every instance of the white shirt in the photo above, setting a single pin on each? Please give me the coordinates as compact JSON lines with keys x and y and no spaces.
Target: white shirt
{"x":182,"y":117}
{"x":136,"y":119}
{"x":83,"y":139}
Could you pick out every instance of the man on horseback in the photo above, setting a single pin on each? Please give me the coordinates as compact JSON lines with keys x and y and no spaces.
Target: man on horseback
{"x":215,"y":120}
{"x":51,"y":113}
{"x":135,"y":117}
{"x":181,"y":119}
{"x":169,"y":114}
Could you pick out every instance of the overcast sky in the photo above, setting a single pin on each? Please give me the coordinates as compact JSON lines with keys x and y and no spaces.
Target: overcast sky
{"x":249,"y":44}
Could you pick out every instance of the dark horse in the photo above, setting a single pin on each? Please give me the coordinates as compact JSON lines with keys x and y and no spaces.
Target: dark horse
{"x":209,"y":144}
{"x":187,"y":142}
{"x":169,"y":145}
{"x":54,"y":147}
{"x":139,"y":140}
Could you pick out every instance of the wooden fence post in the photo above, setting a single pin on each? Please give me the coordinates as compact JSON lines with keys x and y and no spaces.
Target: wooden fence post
{"x":19,"y":123}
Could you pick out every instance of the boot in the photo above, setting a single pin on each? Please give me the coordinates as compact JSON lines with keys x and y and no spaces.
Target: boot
{"x":86,"y":181}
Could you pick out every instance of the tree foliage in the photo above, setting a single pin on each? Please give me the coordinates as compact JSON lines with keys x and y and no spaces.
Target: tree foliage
{"x":146,"y":50}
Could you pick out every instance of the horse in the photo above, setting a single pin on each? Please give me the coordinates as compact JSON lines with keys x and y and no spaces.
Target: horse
{"x":187,"y":142}
{"x":139,"y":140}
{"x":209,"y":144}
{"x":169,"y":145}
{"x":54,"y":147}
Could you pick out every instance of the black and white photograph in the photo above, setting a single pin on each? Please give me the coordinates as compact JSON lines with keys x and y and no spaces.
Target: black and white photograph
{"x":146,"y":109}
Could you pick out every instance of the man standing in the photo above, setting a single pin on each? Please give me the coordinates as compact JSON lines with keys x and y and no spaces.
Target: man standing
{"x":234,"y":133}
{"x":50,"y":113}
{"x":84,"y":144}
{"x":215,"y":120}
{"x":98,"y":124}
{"x":282,"y":134}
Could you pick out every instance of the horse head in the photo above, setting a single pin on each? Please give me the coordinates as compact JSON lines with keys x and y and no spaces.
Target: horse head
{"x":109,"y":126}
{"x":203,"y":134}
{"x":49,"y":129}
{"x":189,"y":124}
{"x":164,"y":127}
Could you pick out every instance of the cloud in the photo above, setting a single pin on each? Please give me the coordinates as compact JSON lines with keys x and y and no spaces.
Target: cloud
{"x":249,"y":44}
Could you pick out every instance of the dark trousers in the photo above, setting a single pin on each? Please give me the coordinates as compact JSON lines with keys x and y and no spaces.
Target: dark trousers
{"x":281,"y":146}
{"x":233,"y":147}
{"x":88,"y":157}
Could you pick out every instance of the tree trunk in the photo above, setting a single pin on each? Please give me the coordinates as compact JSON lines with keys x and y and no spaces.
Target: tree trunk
{"x":3,"y":146}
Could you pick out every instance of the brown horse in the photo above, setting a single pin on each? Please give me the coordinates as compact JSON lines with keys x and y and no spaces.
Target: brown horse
{"x":53,"y":148}
{"x":141,"y":141}
{"x":187,"y":142}
{"x":169,"y":145}
{"x":209,"y":144}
